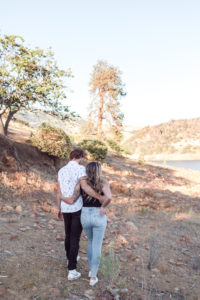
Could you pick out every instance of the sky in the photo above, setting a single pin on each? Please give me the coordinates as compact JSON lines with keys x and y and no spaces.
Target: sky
{"x":155,"y":43}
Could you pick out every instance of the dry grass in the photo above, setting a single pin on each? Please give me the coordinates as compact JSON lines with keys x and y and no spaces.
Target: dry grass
{"x":164,"y":237}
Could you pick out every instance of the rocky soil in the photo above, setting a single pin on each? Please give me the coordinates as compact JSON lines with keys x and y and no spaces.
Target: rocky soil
{"x":153,"y":229}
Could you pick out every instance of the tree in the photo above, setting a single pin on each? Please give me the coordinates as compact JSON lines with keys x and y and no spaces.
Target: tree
{"x":28,"y":78}
{"x":107,"y":88}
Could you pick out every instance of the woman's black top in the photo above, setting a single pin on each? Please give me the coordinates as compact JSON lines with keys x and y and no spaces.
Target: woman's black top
{"x":89,"y":201}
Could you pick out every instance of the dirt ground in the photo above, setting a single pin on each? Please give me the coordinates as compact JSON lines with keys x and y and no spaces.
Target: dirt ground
{"x":153,"y":229}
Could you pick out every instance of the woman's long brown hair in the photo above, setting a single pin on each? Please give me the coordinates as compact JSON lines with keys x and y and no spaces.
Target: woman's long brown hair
{"x":94,"y":179}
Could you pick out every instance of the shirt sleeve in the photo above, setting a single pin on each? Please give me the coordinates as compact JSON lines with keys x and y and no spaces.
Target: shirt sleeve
{"x":59,"y":176}
{"x":82,"y":172}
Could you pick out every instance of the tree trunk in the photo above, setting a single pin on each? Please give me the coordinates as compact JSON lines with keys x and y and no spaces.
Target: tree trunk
{"x":10,"y":115}
{"x":100,"y":116}
{"x":2,"y":126}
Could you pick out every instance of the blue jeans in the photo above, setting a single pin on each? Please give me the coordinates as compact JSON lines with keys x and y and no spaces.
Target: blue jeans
{"x":94,"y":226}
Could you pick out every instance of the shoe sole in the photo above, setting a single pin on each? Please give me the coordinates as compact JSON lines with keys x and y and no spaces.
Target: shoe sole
{"x":74,"y":278}
{"x":94,"y":283}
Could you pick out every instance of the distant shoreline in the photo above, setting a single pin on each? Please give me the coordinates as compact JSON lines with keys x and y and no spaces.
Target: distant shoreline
{"x":166,"y":157}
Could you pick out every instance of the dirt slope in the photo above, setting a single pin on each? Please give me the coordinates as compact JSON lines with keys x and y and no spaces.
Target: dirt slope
{"x":153,"y":227}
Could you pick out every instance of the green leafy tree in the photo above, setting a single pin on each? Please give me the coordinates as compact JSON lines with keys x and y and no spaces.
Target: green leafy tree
{"x":28,"y":78}
{"x":107,"y":89}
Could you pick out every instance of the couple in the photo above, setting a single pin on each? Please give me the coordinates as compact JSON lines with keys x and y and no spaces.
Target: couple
{"x":82,"y":195}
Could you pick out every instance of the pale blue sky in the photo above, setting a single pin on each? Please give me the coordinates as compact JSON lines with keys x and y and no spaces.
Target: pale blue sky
{"x":155,"y":43}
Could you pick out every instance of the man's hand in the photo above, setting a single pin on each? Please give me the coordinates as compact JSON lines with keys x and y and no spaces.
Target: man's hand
{"x":60,"y":216}
{"x":68,"y":200}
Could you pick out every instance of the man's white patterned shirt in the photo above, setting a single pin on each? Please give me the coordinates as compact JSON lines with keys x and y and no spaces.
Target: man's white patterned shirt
{"x":68,"y":177}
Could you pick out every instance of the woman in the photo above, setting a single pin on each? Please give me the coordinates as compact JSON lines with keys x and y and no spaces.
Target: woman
{"x":93,"y":215}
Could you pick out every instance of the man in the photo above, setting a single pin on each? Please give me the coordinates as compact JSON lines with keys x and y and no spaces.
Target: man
{"x":68,"y":177}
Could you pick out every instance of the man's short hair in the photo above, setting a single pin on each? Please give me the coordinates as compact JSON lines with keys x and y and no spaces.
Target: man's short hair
{"x":77,"y":153}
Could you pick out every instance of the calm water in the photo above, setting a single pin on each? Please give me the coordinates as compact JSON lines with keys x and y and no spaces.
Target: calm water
{"x":186,"y":164}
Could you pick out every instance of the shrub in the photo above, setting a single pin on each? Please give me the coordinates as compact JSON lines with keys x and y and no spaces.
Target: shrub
{"x":126,"y":150}
{"x":96,"y":149}
{"x":20,"y":121}
{"x":114,"y":146}
{"x":52,"y":140}
{"x":110,"y":267}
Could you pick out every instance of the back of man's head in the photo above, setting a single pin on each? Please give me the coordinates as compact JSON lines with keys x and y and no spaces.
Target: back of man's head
{"x":77,"y":153}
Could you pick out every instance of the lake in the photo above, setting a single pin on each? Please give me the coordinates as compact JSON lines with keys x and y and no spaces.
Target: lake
{"x":186,"y":164}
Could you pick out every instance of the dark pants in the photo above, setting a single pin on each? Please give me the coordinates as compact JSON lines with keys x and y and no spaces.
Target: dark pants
{"x":73,"y":229}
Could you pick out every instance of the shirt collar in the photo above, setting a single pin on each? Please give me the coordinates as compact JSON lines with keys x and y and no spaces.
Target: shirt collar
{"x":73,"y":162}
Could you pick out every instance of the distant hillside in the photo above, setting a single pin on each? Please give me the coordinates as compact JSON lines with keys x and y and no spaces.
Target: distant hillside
{"x":173,"y":140}
{"x":75,"y":126}
{"x":175,"y":137}
{"x":35,"y":118}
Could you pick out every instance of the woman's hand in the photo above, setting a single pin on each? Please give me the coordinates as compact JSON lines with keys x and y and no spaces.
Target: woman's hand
{"x":102,"y":211}
{"x":107,"y":194}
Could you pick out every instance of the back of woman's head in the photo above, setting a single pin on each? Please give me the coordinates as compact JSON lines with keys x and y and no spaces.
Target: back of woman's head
{"x":93,"y":171}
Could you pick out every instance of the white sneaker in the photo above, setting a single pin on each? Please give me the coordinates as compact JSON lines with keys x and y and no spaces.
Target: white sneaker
{"x":93,"y":281}
{"x":90,"y":273}
{"x":73,"y":274}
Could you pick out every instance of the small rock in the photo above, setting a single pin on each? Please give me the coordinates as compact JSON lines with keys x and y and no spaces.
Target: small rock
{"x":175,"y":263}
{"x":42,"y":214}
{"x":36,"y":226}
{"x":122,"y":239}
{"x":7,"y":252}
{"x":158,"y":195}
{"x":124,"y":291}
{"x":50,"y":227}
{"x":13,"y":220}
{"x":132,"y":256}
{"x":122,"y":259}
{"x":53,"y":210}
{"x":54,"y":292}
{"x":90,"y":292}
{"x":131,"y":225}
{"x":52,"y":222}
{"x":23,"y":229}
{"x":37,"y":214}
{"x":46,"y":208}
{"x":2,"y":291}
{"x":4,"y":219}
{"x":196,"y":263}
{"x":48,"y":247}
{"x":84,"y":258}
{"x":83,"y":251}
{"x":18,"y":208}
{"x":14,"y":237}
{"x":60,"y":238}
{"x":155,"y":270}
{"x":7,"y":208}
